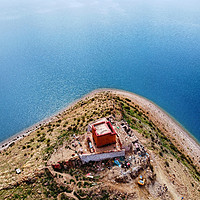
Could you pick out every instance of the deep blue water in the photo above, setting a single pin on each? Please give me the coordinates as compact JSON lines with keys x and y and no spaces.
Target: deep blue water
{"x":54,"y":51}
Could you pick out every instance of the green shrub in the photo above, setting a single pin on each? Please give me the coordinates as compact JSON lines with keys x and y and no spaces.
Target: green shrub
{"x":72,"y":181}
{"x":160,"y":153}
{"x":166,"y":163}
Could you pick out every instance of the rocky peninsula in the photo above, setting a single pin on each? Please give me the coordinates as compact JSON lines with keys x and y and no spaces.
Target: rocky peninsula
{"x":173,"y":171}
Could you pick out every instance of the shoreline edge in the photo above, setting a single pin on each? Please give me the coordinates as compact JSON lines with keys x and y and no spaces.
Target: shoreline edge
{"x":182,"y":136}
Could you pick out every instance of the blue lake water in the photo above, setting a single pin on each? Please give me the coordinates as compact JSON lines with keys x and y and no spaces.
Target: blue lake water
{"x":54,"y":51}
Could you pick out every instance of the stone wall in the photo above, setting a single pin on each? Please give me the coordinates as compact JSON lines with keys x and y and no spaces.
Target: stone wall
{"x":102,"y":156}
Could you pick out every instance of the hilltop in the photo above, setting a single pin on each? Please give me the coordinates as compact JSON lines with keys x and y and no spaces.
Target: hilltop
{"x":172,"y":172}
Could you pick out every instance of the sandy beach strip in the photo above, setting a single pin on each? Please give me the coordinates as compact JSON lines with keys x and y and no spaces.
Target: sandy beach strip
{"x":173,"y":130}
{"x":162,"y":119}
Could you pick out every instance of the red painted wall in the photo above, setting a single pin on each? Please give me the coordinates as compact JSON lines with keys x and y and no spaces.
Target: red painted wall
{"x":103,"y":140}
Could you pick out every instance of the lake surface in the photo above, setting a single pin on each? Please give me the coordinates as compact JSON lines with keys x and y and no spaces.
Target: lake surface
{"x":53,"y":52}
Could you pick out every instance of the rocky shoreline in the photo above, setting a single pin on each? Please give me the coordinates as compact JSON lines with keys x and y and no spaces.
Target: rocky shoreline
{"x":173,"y":152}
{"x":175,"y":131}
{"x":18,"y":136}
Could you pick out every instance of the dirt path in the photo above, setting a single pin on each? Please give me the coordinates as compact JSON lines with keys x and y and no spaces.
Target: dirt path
{"x":161,"y":177}
{"x":70,"y":195}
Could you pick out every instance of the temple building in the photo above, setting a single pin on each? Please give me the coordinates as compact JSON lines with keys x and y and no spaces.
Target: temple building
{"x":103,"y":133}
